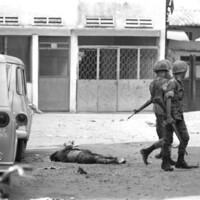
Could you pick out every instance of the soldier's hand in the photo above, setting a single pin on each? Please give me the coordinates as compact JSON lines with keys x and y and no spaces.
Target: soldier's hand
{"x":135,"y":111}
{"x":169,"y":120}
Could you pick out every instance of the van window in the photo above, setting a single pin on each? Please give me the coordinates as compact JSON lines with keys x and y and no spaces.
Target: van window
{"x":24,"y":81}
{"x":20,"y":82}
{"x":8,"y":71}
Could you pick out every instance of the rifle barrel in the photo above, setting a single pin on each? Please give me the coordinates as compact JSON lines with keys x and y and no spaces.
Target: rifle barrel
{"x":130,"y":116}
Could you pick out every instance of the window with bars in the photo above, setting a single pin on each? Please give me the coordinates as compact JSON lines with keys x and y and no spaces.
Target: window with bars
{"x":102,"y":63}
{"x":128,"y":63}
{"x":108,"y":64}
{"x":147,"y":59}
{"x":88,"y":64}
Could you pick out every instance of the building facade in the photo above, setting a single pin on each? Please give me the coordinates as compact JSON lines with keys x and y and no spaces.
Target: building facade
{"x":89,"y":56}
{"x":184,"y":43}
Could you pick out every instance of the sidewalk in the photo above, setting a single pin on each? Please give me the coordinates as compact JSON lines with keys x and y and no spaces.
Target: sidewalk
{"x":53,"y":129}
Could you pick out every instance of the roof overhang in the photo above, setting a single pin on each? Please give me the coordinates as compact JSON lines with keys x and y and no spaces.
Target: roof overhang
{"x":189,"y":46}
{"x":177,"y":35}
{"x":37,"y":30}
{"x":117,"y":32}
{"x":63,"y":31}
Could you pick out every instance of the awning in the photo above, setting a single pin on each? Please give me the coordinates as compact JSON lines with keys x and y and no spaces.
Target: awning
{"x":37,"y":30}
{"x":117,"y":32}
{"x":177,"y":35}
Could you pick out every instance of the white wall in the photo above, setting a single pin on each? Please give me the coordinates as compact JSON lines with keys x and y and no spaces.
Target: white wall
{"x":74,"y":12}
{"x":120,"y":9}
{"x":27,"y":9}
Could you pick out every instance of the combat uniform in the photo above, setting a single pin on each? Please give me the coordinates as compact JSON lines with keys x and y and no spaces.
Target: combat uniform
{"x":157,"y":90}
{"x":175,"y":91}
{"x":175,"y":119}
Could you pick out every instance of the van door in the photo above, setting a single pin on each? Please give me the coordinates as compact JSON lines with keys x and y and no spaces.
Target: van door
{"x":7,"y":123}
{"x":23,"y":97}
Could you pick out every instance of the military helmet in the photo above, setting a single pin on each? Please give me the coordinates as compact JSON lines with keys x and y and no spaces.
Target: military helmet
{"x":179,"y":66}
{"x":162,"y":65}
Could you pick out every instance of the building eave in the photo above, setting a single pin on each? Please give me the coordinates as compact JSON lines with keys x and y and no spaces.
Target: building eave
{"x":34,"y":30}
{"x":117,"y":32}
{"x":172,"y":27}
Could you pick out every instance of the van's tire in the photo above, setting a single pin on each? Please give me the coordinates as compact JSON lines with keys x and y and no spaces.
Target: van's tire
{"x":21,"y":147}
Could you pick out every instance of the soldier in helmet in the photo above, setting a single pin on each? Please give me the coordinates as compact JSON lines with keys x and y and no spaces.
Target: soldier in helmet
{"x":174,"y":111}
{"x":157,"y":90}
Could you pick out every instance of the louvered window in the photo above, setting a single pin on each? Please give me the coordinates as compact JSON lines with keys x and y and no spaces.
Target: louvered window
{"x":48,"y":21}
{"x":4,"y":20}
{"x":99,"y":22}
{"x":138,"y":23}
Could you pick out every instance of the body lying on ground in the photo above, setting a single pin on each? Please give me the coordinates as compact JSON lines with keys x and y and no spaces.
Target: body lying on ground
{"x":75,"y":155}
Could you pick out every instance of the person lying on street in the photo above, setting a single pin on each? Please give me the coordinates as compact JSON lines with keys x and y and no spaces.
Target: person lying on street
{"x":75,"y":155}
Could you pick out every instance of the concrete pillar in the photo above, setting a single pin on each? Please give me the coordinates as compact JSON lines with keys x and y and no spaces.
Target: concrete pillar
{"x":163,"y":31}
{"x":35,"y":67}
{"x":73,"y":70}
{"x":162,"y":44}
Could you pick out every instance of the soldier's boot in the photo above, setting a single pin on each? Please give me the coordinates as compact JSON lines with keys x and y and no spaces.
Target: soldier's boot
{"x":181,"y":163}
{"x":145,"y":153}
{"x":165,"y":164}
{"x":171,"y":162}
{"x":159,"y":155}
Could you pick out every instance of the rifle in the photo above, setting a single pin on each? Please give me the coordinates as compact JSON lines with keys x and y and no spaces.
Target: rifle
{"x":162,"y":105}
{"x":131,"y":115}
{"x":141,"y":108}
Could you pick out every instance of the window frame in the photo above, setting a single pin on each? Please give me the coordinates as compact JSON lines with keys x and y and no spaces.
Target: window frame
{"x":138,"y":48}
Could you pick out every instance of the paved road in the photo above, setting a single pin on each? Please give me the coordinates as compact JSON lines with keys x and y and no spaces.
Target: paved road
{"x":52,"y":129}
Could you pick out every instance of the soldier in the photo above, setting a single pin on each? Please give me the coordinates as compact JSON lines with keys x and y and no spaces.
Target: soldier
{"x":157,"y":89}
{"x":174,"y":108}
